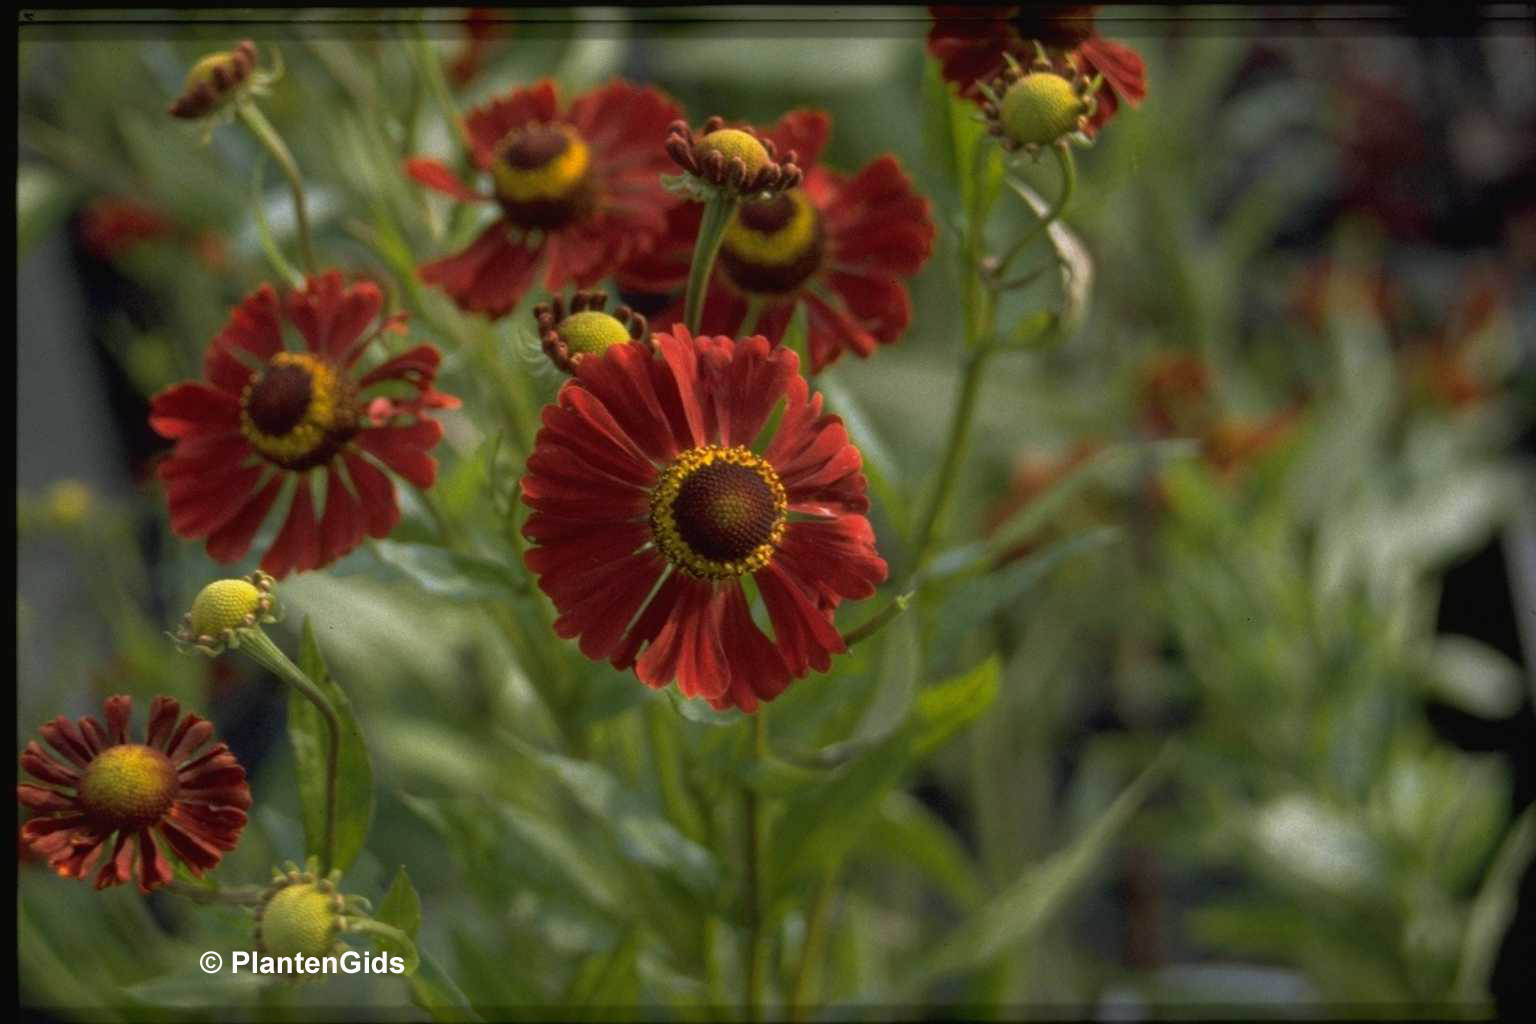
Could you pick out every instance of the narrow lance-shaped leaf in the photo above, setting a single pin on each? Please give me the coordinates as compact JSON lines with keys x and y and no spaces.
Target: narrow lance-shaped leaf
{"x":308,"y":734}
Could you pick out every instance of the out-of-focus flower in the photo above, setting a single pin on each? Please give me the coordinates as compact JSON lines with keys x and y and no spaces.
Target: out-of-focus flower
{"x":219,"y":78}
{"x":266,"y":415}
{"x":653,"y":496}
{"x":970,"y":43}
{"x":112,"y":225}
{"x":1032,"y":477}
{"x":586,"y":330}
{"x":1175,"y":395}
{"x":102,"y":785}
{"x":579,"y":190}
{"x":480,"y":33}
{"x":1450,"y":367}
{"x":842,"y":247}
{"x":1233,"y":442}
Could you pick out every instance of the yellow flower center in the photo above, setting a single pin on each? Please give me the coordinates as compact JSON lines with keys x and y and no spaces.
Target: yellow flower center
{"x":299,"y":411}
{"x":718,"y":512}
{"x":591,"y":332}
{"x":224,"y":604}
{"x":1040,"y":108}
{"x":542,"y":175}
{"x":772,"y":245}
{"x":299,"y":920}
{"x":129,"y":786}
{"x":732,"y":143}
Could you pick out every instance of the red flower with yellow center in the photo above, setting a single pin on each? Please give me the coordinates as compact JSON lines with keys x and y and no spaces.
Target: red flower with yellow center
{"x":269,"y":414}
{"x":840,"y":246}
{"x":101,"y":785}
{"x":970,"y":42}
{"x":655,"y":502}
{"x":579,"y":191}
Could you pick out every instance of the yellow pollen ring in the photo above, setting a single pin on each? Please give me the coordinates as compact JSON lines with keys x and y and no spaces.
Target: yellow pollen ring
{"x":664,"y":526}
{"x":778,"y":248}
{"x":320,"y":417}
{"x":555,"y":180}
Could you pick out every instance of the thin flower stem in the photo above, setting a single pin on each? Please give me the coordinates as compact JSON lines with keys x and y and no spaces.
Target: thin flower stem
{"x":432,"y":71}
{"x":267,"y":135}
{"x":239,"y":895}
{"x":718,"y":210}
{"x":753,"y":820}
{"x":801,"y":987}
{"x":955,"y":450}
{"x":680,"y":808}
{"x":1068,"y":186}
{"x":754,"y":313}
{"x":880,"y":619}
{"x":260,"y":647}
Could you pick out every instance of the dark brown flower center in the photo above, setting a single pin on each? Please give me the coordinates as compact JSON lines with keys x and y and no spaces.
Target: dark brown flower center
{"x":773,"y":245}
{"x":298,"y":411}
{"x":543,"y":176}
{"x":129,"y":786}
{"x":718,"y":512}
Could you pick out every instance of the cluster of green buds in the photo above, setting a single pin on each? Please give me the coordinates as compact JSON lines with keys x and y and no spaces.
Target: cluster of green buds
{"x":737,"y":161}
{"x":586,"y":330}
{"x":1035,"y":109}
{"x":225,"y":611}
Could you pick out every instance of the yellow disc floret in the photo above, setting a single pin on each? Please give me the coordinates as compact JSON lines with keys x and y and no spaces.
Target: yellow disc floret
{"x":300,"y":920}
{"x":298,"y":411}
{"x":226,"y":604}
{"x":718,"y":512}
{"x":1040,"y":108}
{"x":733,"y":143}
{"x":128,"y":786}
{"x":774,"y":232}
{"x":591,"y":332}
{"x":543,"y":163}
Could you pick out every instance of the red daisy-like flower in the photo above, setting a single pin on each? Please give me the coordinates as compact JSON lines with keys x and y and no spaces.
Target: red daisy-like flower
{"x":970,"y":42}
{"x":101,"y":784}
{"x":579,"y":190}
{"x":267,"y":414}
{"x":842,"y":246}
{"x":653,"y":497}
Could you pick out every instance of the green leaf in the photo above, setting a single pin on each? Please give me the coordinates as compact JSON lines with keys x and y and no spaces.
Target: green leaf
{"x":1027,"y":905}
{"x":451,"y":574}
{"x":435,"y":992}
{"x":945,"y":708}
{"x":607,"y":980}
{"x":269,"y":247}
{"x":401,"y":908}
{"x":43,"y":199}
{"x":1073,"y":259}
{"x":642,"y":834}
{"x":310,"y":738}
{"x":1493,"y":908}
{"x":700,"y":711}
{"x":908,"y":830}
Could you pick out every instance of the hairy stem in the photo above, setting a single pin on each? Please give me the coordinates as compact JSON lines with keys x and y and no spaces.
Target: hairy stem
{"x":267,"y":135}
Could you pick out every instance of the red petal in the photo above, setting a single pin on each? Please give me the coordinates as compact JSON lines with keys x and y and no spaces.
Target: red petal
{"x":230,"y":542}
{"x":341,"y":527}
{"x":36,"y":762}
{"x":1122,"y":67}
{"x":255,"y":328}
{"x":331,"y":315}
{"x":404,"y":449}
{"x":804,"y":632}
{"x":375,"y":493}
{"x":836,"y":556}
{"x":154,"y":869}
{"x":490,"y":276}
{"x":437,"y":175}
{"x":163,"y":713}
{"x":41,"y":799}
{"x":489,"y":124}
{"x":298,"y":543}
{"x":804,"y":131}
{"x":193,"y":408}
{"x":119,"y":867}
{"x":649,"y":623}
{"x":757,"y":668}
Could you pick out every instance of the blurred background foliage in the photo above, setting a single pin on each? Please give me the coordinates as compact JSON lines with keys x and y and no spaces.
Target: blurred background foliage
{"x":1219,"y":692}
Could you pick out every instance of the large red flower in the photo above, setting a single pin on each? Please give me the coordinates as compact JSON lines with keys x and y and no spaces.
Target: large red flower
{"x":100,"y":784}
{"x":579,"y":190}
{"x":970,"y":42}
{"x":841,"y":246}
{"x":653,"y":498}
{"x":267,"y":414}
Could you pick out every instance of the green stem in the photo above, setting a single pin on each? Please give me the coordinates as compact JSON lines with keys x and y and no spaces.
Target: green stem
{"x":267,"y":135}
{"x":240,"y":895}
{"x":432,"y":70}
{"x":754,"y":313}
{"x":260,"y":647}
{"x":674,"y":794}
{"x":955,"y":449}
{"x":718,"y":210}
{"x":815,"y":939}
{"x":753,"y":820}
{"x":1068,"y":186}
{"x":878,"y":621}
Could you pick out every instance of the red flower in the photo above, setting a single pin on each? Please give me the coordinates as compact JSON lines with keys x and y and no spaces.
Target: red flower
{"x":268,"y":414}
{"x":653,"y":496}
{"x":841,"y":246}
{"x":110,"y":226}
{"x":106,"y":785}
{"x":969,"y":43}
{"x":479,"y":33}
{"x":579,"y":190}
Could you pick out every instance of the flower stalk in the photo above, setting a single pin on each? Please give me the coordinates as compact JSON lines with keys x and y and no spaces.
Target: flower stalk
{"x":718,"y":210}
{"x":267,"y":135}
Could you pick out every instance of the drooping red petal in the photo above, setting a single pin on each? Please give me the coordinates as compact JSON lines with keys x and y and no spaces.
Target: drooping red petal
{"x":404,"y":449}
{"x":254,"y":329}
{"x":1122,"y":67}
{"x":297,"y":546}
{"x":195,"y":853}
{"x":649,"y":623}
{"x":163,"y":714}
{"x":64,"y":736}
{"x":119,"y":867}
{"x":488,"y":277}
{"x":805,"y":131}
{"x":687,"y":647}
{"x":804,"y":632}
{"x":193,"y":408}
{"x":230,"y":542}
{"x":835,"y":556}
{"x":154,"y":869}
{"x":758,"y":671}
{"x":194,"y":731}
{"x":36,"y":763}
{"x":341,"y":526}
{"x":417,"y":366}
{"x":43,"y":800}
{"x":375,"y":494}
{"x":437,"y":175}
{"x":119,"y":708}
